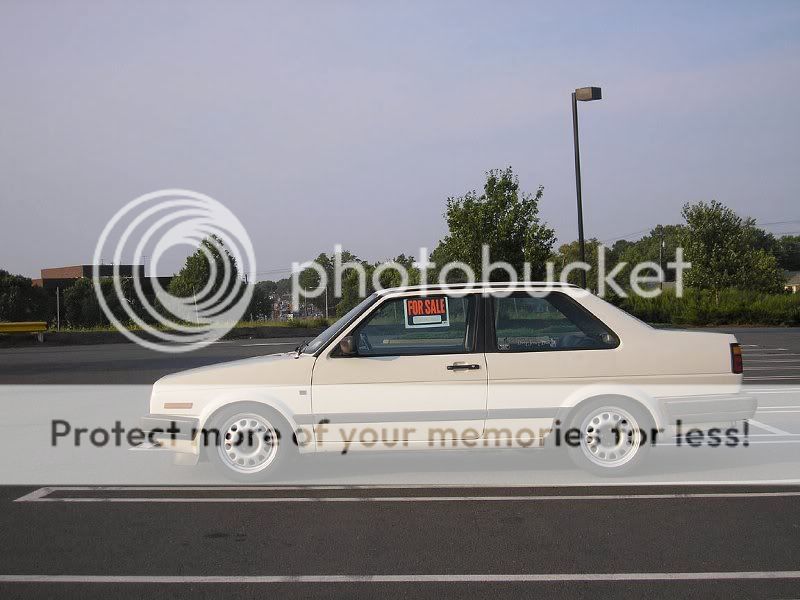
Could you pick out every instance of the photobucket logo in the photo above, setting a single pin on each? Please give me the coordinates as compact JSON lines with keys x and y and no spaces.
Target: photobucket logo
{"x":643,"y":280}
{"x":162,"y":221}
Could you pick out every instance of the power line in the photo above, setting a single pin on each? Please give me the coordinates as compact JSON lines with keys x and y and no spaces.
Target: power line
{"x":779,"y":222}
{"x":273,"y":271}
{"x":649,"y":229}
{"x":627,"y":235}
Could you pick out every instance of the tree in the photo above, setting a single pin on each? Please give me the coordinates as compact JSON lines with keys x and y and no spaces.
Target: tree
{"x":570,"y":253}
{"x":647,"y":249}
{"x":502,"y":217}
{"x":196,"y":272}
{"x":724,"y":251}
{"x":260,"y":307}
{"x":309,"y":279}
{"x":391,"y":275}
{"x":789,"y":252}
{"x":20,"y":300}
{"x":81,"y":308}
{"x":351,"y":295}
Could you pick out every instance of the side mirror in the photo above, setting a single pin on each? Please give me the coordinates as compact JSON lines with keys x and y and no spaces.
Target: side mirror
{"x":347,"y":347}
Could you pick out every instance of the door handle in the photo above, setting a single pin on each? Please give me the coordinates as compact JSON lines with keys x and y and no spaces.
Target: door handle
{"x":462,"y":367}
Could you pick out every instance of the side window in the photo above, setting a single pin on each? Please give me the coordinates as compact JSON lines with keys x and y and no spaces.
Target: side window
{"x":525,"y":323}
{"x":419,"y":325}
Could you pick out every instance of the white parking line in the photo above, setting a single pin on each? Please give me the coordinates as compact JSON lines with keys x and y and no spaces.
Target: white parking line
{"x":769,"y":428}
{"x":767,"y":378}
{"x":408,"y":578}
{"x":765,"y":349}
{"x":759,"y":360}
{"x":35,"y":495}
{"x":773,"y":368}
{"x":472,"y":498}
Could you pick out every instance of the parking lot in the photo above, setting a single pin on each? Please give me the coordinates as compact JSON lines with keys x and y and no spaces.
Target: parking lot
{"x":502,"y":533}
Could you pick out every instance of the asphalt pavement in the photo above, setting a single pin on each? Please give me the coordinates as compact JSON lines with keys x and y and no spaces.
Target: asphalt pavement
{"x":437,"y":540}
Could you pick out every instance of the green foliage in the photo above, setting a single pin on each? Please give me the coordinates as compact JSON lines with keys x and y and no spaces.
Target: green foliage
{"x":391,"y":277}
{"x":196,"y":272}
{"x":727,"y":251}
{"x":569,"y":253}
{"x":82,"y":309}
{"x":350,"y":290}
{"x":314,"y":323}
{"x":309,"y":279}
{"x":260,"y":307}
{"x":647,"y":249}
{"x":725,"y":307}
{"x":20,"y":300}
{"x":788,"y":252}
{"x":502,"y":217}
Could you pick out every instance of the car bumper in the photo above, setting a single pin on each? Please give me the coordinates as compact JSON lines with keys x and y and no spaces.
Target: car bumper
{"x":724,"y":408}
{"x":170,"y":427}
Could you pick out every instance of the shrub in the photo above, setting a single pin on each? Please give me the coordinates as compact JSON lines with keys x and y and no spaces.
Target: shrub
{"x":727,"y":307}
{"x":20,"y":300}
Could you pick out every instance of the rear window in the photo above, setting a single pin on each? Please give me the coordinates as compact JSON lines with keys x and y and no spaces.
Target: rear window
{"x":551,"y":322}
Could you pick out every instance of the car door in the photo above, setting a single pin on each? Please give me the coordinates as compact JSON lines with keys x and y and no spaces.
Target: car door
{"x":418,"y":376}
{"x":541,"y":347}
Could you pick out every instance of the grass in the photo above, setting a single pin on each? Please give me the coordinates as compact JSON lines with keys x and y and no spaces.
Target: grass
{"x":696,"y":308}
{"x":314,"y":323}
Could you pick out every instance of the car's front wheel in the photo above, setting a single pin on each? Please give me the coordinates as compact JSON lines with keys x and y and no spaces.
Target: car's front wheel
{"x":613,"y":436}
{"x":252,"y":443}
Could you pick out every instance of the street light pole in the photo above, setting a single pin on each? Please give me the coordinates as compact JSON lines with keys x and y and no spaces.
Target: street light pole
{"x":584,"y":95}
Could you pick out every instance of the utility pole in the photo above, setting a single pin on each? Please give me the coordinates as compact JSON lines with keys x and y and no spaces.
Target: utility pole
{"x":196,"y":318}
{"x":58,"y":309}
{"x":326,"y":301}
{"x":661,"y":257}
{"x":584,"y":95}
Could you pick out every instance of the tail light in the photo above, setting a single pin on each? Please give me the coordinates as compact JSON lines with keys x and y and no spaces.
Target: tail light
{"x":736,"y":359}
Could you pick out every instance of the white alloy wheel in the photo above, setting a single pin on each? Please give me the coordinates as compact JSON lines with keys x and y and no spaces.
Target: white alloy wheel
{"x":249,"y":443}
{"x":610,"y":436}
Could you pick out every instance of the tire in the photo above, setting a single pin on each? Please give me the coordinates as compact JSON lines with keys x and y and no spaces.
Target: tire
{"x":614,"y":436}
{"x":255,"y":443}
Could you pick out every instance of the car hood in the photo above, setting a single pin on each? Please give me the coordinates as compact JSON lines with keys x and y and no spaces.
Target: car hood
{"x":274,"y":369}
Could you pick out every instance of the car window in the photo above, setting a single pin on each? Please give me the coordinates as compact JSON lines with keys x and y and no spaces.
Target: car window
{"x":419,"y":325}
{"x":525,"y":323}
{"x":331,"y":332}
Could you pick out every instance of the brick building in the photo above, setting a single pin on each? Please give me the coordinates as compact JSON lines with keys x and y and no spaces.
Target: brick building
{"x":63,"y":277}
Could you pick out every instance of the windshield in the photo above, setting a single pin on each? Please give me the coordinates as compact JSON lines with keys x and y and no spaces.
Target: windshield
{"x":332,"y":331}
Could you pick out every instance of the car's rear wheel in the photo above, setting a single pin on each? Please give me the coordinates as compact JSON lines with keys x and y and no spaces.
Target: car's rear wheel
{"x":613,"y":436}
{"x":254,"y":443}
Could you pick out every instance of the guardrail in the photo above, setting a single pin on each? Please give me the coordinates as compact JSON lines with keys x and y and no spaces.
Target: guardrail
{"x":37,"y":327}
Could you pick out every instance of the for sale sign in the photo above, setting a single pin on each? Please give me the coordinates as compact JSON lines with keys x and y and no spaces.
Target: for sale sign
{"x":427,"y":312}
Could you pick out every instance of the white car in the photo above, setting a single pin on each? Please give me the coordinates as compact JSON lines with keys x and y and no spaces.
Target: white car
{"x":457,"y":366}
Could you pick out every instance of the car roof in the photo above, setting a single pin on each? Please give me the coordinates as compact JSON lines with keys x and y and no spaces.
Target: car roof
{"x":481,"y":286}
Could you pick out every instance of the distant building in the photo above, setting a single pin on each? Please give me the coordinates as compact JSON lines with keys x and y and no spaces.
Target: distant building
{"x":792,"y":281}
{"x":63,"y":277}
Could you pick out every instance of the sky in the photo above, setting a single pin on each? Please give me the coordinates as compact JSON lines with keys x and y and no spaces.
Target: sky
{"x":320,"y":123}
